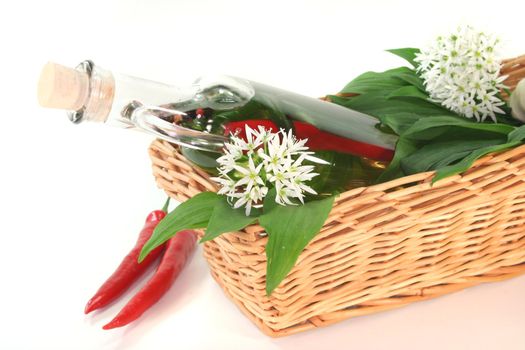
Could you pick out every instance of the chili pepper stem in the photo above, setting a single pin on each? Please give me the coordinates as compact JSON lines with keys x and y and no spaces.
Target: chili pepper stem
{"x":166,"y":205}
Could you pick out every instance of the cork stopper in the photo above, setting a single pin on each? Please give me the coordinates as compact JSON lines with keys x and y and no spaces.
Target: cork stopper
{"x":62,"y":87}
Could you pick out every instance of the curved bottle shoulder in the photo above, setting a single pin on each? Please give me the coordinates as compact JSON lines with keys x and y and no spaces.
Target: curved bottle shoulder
{"x":223,"y":92}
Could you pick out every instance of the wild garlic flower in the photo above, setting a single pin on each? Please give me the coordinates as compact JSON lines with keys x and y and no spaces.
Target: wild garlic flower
{"x":265,"y":160}
{"x":461,"y":72}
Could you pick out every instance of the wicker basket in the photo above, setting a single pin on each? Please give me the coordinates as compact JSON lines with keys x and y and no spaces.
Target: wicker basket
{"x":382,"y":246}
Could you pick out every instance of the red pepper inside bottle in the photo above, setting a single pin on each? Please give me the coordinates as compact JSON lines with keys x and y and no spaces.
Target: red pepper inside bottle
{"x":318,"y":140}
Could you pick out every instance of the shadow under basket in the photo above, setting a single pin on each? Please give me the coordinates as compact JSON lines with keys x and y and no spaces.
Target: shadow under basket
{"x":382,"y":246}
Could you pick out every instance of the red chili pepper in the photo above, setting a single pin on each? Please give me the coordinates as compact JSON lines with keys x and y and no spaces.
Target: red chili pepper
{"x":178,"y":250}
{"x":129,"y":269}
{"x":318,"y":140}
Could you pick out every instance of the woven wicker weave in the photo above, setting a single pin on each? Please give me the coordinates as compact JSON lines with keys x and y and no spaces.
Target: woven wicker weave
{"x":382,"y":247}
{"x":515,"y":69}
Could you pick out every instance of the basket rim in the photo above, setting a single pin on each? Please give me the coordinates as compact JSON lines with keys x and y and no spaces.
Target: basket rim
{"x":422,"y":180}
{"x":388,"y":190}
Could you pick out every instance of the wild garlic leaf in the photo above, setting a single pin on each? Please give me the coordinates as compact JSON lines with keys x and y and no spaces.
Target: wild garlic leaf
{"x":518,"y":134}
{"x":427,"y":157}
{"x":467,"y":162}
{"x":290,"y":229}
{"x":400,"y":122}
{"x":191,"y":214}
{"x":226,"y":219}
{"x":379,"y":105}
{"x":418,"y":129}
{"x":410,"y":76}
{"x":407,"y":53}
{"x":382,"y":82}
{"x":408,"y":91}
{"x":404,"y":148}
{"x":431,"y":136}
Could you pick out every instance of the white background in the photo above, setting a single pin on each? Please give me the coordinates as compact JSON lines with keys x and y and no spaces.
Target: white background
{"x":73,"y":198}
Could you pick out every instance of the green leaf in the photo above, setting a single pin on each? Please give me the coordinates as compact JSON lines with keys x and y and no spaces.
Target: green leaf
{"x":377,"y":104}
{"x":400,"y":122}
{"x":408,"y":91}
{"x":419,"y":131}
{"x":429,"y":156}
{"x":191,"y":214}
{"x":408,"y":53}
{"x":518,"y":134}
{"x":290,"y":229}
{"x":404,"y":147}
{"x":382,"y":82}
{"x":226,"y":219}
{"x":410,"y":76}
{"x":450,"y":159}
{"x":431,"y":136}
{"x":467,"y":162}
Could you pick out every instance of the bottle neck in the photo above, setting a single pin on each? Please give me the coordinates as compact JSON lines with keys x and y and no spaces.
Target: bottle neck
{"x":113,"y":97}
{"x":100,"y":96}
{"x":169,"y":112}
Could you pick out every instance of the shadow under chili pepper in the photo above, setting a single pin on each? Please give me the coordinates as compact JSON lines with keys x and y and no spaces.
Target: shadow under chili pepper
{"x":181,"y":293}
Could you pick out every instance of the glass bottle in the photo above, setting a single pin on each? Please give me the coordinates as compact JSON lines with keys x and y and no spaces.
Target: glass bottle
{"x":199,"y":117}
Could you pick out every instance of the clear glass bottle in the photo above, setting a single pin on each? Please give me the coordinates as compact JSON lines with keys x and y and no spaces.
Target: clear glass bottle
{"x":197,"y":117}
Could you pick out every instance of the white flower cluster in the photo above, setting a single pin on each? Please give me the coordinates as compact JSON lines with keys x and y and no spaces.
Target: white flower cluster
{"x":461,"y":72}
{"x":266,"y":160}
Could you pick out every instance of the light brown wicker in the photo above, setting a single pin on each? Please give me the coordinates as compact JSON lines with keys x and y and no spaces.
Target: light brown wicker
{"x":382,"y":246}
{"x":515,"y":69}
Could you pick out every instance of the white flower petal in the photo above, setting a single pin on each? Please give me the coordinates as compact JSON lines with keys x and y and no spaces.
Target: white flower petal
{"x":279,"y":164}
{"x":461,"y":70}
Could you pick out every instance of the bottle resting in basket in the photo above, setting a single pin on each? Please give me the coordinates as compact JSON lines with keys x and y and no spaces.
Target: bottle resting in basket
{"x":200,"y":117}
